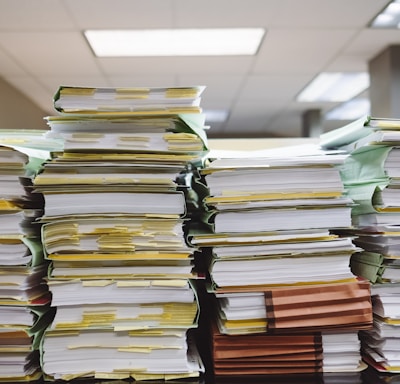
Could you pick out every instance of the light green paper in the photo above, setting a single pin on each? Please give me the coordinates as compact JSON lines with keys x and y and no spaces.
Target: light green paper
{"x":368,"y":265}
{"x":362,"y":195}
{"x":346,"y":134}
{"x":366,"y":166}
{"x":36,"y":249}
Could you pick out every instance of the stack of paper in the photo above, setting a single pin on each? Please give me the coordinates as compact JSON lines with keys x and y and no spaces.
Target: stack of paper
{"x":382,"y":344}
{"x":372,"y":176}
{"x":152,"y":101}
{"x":278,"y":274}
{"x":365,"y":131}
{"x":24,"y":296}
{"x":372,"y":172}
{"x":122,"y":275}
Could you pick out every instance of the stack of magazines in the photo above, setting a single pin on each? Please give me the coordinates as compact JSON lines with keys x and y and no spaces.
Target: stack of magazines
{"x":121,"y":274}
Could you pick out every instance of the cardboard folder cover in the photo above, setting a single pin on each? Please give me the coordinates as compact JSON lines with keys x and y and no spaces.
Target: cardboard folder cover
{"x":345,"y":305}
{"x":266,"y":354}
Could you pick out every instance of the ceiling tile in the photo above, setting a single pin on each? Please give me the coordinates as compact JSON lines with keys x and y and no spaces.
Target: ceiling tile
{"x":276,"y":13}
{"x":277,"y":88}
{"x":9,"y":66}
{"x":99,"y":14}
{"x":176,"y":65}
{"x":370,"y":42}
{"x":42,"y":46}
{"x":142,"y":81}
{"x":289,"y":51}
{"x":220,"y":90}
{"x":348,"y":63}
{"x":28,"y":15}
{"x":50,"y":53}
{"x":325,"y":13}
{"x":225,"y":13}
{"x":53,"y":82}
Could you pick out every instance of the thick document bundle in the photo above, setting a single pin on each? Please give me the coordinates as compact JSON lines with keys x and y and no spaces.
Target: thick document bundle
{"x":81,"y":100}
{"x":121,"y":273}
{"x":168,"y":134}
{"x":278,"y":274}
{"x":371,"y":175}
{"x":24,"y":295}
{"x":381,"y":346}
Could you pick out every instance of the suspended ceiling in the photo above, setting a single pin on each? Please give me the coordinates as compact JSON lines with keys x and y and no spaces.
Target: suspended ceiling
{"x":42,"y":46}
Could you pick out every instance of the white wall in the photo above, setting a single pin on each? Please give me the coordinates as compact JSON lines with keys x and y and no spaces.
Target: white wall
{"x":17,"y":111}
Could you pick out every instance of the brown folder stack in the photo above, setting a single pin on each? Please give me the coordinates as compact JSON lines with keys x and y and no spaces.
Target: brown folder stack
{"x":263,"y":354}
{"x":327,"y":306}
{"x":302,"y":334}
{"x":284,"y":299}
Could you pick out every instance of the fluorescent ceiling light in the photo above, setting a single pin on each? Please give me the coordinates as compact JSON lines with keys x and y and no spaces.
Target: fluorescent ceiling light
{"x":215,"y":115}
{"x":389,"y":17}
{"x":351,"y":110}
{"x":335,"y":87}
{"x":175,"y":42}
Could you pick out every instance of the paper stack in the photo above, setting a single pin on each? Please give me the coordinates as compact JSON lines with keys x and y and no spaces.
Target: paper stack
{"x":24,"y":297}
{"x":372,"y":176}
{"x":279,"y":279}
{"x":122,"y":275}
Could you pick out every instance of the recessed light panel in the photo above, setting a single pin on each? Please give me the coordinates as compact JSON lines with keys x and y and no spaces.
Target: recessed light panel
{"x":215,"y":115}
{"x":389,"y":17}
{"x":175,"y":42}
{"x":351,"y":110}
{"x":335,"y":87}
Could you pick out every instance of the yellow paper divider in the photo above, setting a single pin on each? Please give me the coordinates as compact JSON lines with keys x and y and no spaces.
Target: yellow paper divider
{"x":117,"y":256}
{"x":137,"y":283}
{"x":97,"y":283}
{"x":74,"y":376}
{"x":170,"y":283}
{"x":238,"y":196}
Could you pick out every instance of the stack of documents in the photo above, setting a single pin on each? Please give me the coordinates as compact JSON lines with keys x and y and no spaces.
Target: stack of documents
{"x":272,"y":194}
{"x":381,"y":345}
{"x":278,"y":274}
{"x":152,"y":101}
{"x":16,"y":201}
{"x":363,"y":132}
{"x":121,"y":273}
{"x":271,"y":218}
{"x":372,"y":176}
{"x":24,"y":296}
{"x":372,"y":172}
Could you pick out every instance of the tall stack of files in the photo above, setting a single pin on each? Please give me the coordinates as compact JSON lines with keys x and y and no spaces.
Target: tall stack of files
{"x":285,"y":300}
{"x":122,"y":275}
{"x":372,"y":176}
{"x":24,"y":296}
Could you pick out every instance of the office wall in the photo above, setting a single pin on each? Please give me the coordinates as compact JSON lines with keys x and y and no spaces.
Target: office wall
{"x":17,"y":111}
